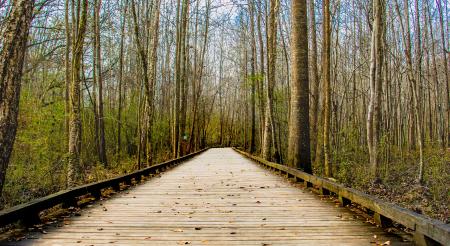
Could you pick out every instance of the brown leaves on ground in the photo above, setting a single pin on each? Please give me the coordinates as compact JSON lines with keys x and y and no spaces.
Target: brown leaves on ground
{"x":413,"y":196}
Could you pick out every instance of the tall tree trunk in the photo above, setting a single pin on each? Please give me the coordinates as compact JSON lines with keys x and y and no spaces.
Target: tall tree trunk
{"x":68,"y":30}
{"x":326,"y":76}
{"x":98,"y":67}
{"x":73,"y":168}
{"x":253,"y":80}
{"x":271,"y":59}
{"x":299,"y":155}
{"x":184,"y":77}
{"x":177,"y":103}
{"x":120,"y":84}
{"x":446,"y":67}
{"x":261,"y":77}
{"x":314,"y":79}
{"x":152,"y":82}
{"x":143,"y":58}
{"x":376,"y":64}
{"x":12,"y":55}
{"x":412,"y":84}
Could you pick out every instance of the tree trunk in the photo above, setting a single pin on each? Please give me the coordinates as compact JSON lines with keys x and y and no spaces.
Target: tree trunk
{"x":184,"y":70}
{"x":147,"y":80}
{"x":299,"y":155}
{"x":261,"y":78}
{"x":253,"y":80}
{"x":413,"y":85}
{"x":68,"y":29}
{"x":73,"y":168}
{"x":12,"y":55}
{"x":326,"y":76}
{"x":271,"y":59}
{"x":314,"y":78}
{"x":98,"y":67}
{"x":120,"y":85}
{"x":445,"y":65}
{"x":152,"y":81}
{"x":375,"y":77}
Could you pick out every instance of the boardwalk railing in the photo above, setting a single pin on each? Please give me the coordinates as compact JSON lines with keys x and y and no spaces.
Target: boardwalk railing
{"x":426,"y":231}
{"x":28,"y":213}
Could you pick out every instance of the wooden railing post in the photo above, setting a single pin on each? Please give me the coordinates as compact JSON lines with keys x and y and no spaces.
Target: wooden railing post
{"x":323,"y":191}
{"x":30,"y":219}
{"x":70,"y":202}
{"x":307,"y":184}
{"x":382,"y":220}
{"x":422,"y":240}
{"x":97,"y":194}
{"x":138,"y":178}
{"x":344,"y":201}
{"x":116,"y":186}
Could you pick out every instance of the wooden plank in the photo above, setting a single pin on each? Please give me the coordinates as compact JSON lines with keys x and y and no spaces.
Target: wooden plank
{"x":33,"y":208}
{"x":435,"y":230}
{"x":216,"y":198}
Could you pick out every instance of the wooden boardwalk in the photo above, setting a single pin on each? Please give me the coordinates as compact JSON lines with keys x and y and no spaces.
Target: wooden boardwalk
{"x":216,"y":198}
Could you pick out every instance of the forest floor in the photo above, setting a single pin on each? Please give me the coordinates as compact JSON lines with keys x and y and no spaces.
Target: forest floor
{"x":399,"y":183}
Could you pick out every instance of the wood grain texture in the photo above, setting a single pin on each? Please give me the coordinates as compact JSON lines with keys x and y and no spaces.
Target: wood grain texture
{"x":216,"y":198}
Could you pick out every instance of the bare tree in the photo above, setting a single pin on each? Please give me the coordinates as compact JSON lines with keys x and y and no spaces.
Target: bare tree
{"x":299,"y":143}
{"x":12,"y":54}
{"x":326,"y":78}
{"x":271,"y":59}
{"x":73,"y":168}
{"x":376,"y":64}
{"x":99,"y":79}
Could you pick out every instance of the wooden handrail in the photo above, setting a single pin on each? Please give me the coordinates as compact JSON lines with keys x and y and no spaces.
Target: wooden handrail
{"x":29,"y":212}
{"x":426,"y":231}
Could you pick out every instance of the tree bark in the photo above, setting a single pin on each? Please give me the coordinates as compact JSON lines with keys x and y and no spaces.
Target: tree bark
{"x":253,"y":80}
{"x":446,"y":67}
{"x":120,"y":84}
{"x":12,"y":55}
{"x":299,"y":155}
{"x":314,"y":78}
{"x":375,"y":77}
{"x":271,"y":59}
{"x":98,"y":67}
{"x":68,"y":30}
{"x":73,"y":169}
{"x":413,"y":85}
{"x":326,"y":76}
